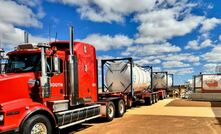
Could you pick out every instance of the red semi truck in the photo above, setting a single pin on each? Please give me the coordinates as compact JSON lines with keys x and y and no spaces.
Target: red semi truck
{"x":53,"y":86}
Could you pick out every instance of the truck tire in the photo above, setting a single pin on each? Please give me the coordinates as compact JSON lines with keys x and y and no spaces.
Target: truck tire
{"x":148,"y":100}
{"x":120,"y":110}
{"x":157,"y":99}
{"x":165,"y":96}
{"x":110,"y":111}
{"x":153,"y":99}
{"x":37,"y":124}
{"x":129,"y":104}
{"x":162,"y":97}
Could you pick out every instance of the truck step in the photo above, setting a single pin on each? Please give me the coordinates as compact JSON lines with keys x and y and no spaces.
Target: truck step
{"x":76,"y":116}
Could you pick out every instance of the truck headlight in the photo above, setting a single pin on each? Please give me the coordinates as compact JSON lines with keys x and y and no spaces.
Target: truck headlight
{"x":1,"y":117}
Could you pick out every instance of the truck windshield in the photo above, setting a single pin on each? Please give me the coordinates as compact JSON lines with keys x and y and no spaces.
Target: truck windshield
{"x":23,"y":63}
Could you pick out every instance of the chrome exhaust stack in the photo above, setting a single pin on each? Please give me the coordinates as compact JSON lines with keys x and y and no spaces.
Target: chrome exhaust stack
{"x":45,"y":79}
{"x":26,"y":37}
{"x":73,"y":95}
{"x":1,"y":58}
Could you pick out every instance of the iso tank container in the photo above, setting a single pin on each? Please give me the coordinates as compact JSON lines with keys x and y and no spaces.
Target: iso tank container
{"x":118,"y":77}
{"x":161,"y":80}
{"x":211,"y":83}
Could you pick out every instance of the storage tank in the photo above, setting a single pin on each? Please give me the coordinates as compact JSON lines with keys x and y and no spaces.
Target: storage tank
{"x":160,"y":80}
{"x":118,"y":77}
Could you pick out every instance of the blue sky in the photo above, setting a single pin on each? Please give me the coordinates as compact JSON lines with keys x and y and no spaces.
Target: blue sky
{"x":179,"y":36}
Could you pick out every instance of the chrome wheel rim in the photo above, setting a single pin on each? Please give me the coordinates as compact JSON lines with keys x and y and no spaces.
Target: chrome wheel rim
{"x":121,"y":108}
{"x":39,"y":128}
{"x":111,"y":111}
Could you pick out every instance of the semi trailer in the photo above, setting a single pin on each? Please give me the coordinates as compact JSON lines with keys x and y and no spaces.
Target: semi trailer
{"x":206,"y":87}
{"x":207,"y":83}
{"x":52,"y":86}
{"x":126,"y":78}
{"x":162,"y":83}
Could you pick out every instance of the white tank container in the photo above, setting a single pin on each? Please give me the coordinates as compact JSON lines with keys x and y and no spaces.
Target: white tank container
{"x":170,"y":81}
{"x":160,"y":80}
{"x":118,"y":77}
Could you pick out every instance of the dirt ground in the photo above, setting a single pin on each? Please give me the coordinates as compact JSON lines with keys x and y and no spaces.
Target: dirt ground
{"x":187,"y":103}
{"x":165,"y":117}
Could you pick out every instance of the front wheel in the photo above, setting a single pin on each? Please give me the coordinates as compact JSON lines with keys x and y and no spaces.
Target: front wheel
{"x":110,"y":111}
{"x":37,"y":124}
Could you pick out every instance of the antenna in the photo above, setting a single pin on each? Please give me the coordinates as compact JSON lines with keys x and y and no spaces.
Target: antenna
{"x":56,"y":36}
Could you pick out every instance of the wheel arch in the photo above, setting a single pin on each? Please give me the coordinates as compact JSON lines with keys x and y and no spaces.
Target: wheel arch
{"x":40,"y":111}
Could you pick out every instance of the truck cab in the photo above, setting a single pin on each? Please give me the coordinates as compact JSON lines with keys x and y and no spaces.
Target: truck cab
{"x":48,"y":86}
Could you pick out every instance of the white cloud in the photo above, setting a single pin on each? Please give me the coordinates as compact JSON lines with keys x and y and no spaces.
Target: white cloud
{"x":181,"y":71}
{"x":99,"y":58}
{"x":107,"y":42}
{"x":146,"y":61}
{"x":31,"y":3}
{"x":105,"y":57}
{"x":194,"y":44}
{"x":19,"y":13}
{"x":163,"y":24}
{"x":157,"y":69}
{"x":210,"y":6}
{"x":108,"y":11}
{"x":214,"y":55}
{"x":209,"y":68}
{"x":174,"y":64}
{"x":220,"y":38}
{"x":12,"y":13}
{"x":16,"y":37}
{"x":154,"y":49}
{"x":206,"y":43}
{"x":196,"y":63}
{"x":209,"y":24}
{"x":182,"y":57}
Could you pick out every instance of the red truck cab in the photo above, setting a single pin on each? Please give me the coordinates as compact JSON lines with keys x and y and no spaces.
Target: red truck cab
{"x":25,"y":98}
{"x":52,"y":85}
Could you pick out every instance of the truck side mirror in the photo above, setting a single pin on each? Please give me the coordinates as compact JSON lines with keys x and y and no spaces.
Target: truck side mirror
{"x":56,"y":64}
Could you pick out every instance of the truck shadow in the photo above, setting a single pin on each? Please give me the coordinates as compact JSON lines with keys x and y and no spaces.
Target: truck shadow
{"x":81,"y":127}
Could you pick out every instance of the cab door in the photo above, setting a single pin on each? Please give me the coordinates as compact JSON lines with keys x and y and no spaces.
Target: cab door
{"x":57,"y":83}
